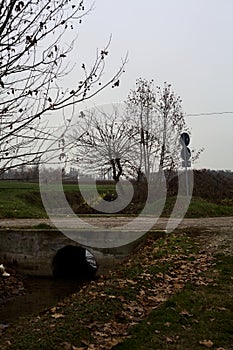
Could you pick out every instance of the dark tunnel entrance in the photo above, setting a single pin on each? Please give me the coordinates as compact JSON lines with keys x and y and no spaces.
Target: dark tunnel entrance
{"x":72,"y":262}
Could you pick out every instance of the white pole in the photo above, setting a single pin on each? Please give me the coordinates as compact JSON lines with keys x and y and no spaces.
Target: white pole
{"x":186,"y":180}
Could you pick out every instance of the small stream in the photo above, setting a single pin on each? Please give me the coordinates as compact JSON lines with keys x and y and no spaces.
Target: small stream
{"x":40,"y":294}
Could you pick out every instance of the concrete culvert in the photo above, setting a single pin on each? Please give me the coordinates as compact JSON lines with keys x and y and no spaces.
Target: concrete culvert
{"x":74,"y":262}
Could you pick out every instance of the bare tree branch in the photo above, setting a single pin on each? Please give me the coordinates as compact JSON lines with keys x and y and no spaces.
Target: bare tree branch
{"x":102,"y":143}
{"x":34,"y":61}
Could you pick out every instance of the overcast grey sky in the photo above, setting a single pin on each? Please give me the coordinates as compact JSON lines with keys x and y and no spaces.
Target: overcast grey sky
{"x":188,"y":43}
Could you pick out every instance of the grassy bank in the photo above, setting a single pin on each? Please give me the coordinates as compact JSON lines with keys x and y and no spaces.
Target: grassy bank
{"x":22,"y":200}
{"x":168,"y":295}
{"x":199,"y":317}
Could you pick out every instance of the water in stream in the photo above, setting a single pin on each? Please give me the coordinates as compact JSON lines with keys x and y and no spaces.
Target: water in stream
{"x":41,"y":293}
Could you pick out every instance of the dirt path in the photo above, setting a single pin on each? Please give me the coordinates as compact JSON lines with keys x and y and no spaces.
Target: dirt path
{"x":210,"y":223}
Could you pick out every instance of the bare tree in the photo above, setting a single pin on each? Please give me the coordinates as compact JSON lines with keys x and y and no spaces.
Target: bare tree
{"x":141,"y":105}
{"x":171,"y":123}
{"x":141,"y":139}
{"x":103,"y":143}
{"x":158,"y":116}
{"x":34,"y":52}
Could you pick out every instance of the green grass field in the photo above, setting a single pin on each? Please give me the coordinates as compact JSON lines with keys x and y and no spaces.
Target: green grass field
{"x":22,"y":200}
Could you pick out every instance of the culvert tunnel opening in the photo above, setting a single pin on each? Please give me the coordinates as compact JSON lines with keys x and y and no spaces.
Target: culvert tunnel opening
{"x":73,"y":262}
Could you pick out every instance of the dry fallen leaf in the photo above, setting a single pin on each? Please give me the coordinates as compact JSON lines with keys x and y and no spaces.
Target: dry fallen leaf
{"x":169,"y":340}
{"x":67,"y":346}
{"x":131,"y":281}
{"x":85,"y":342}
{"x":58,"y":316}
{"x":91,"y":347}
{"x":178,"y":286}
{"x":115,"y":341}
{"x":222,"y":308}
{"x":207,"y":343}
{"x":185,"y":313}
